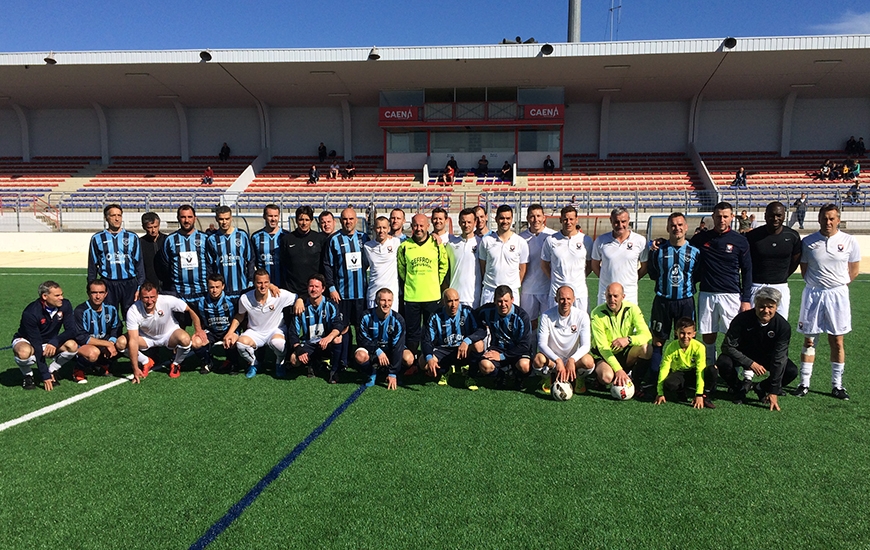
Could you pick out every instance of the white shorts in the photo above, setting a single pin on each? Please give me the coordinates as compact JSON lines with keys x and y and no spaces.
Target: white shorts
{"x":487,"y":296}
{"x":161,"y":342}
{"x":825,"y":310}
{"x":784,"y":303}
{"x":716,"y":310}
{"x":16,"y":341}
{"x":551,"y":368}
{"x":536,"y":304}
{"x":262,"y":338}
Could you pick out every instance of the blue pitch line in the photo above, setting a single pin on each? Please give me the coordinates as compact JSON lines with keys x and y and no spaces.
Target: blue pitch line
{"x":4,"y":348}
{"x":236,"y":510}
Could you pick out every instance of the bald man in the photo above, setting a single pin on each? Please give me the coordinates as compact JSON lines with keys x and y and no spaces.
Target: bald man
{"x":449,"y":340}
{"x":344,"y":267}
{"x":422,"y":263}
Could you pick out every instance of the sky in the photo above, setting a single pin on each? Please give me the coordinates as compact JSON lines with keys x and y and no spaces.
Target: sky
{"x":85,"y":25}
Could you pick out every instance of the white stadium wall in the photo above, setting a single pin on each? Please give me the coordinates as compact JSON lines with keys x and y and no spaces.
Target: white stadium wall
{"x":208,"y":129}
{"x":753,"y":125}
{"x":368,"y":138}
{"x":143,"y":132}
{"x":64,"y":132}
{"x":10,"y":134}
{"x":298,"y":131}
{"x":581,"y":128}
{"x":826,"y":124}
{"x":648,"y":127}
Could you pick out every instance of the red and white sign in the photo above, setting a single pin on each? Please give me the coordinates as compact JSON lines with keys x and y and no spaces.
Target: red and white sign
{"x":547,"y":112}
{"x":399,"y":114}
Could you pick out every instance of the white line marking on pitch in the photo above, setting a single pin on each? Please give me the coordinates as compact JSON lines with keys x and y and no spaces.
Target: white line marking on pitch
{"x":62,"y":404}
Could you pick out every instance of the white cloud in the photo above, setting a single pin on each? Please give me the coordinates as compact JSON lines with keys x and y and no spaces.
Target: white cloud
{"x":848,"y":23}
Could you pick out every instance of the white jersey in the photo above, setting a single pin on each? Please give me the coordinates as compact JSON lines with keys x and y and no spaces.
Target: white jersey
{"x":536,"y":281}
{"x":828,"y":259}
{"x":465,"y":269}
{"x":564,"y":337}
{"x":567,"y":257}
{"x":160,"y":322}
{"x":383,"y":268}
{"x":269,"y":315}
{"x":503,"y":260}
{"x":619,"y":262}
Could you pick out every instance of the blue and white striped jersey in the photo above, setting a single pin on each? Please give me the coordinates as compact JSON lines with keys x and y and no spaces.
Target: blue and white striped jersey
{"x":103,"y":325}
{"x":267,"y":253}
{"x":345,"y":265}
{"x":115,"y":256}
{"x":232,"y":256}
{"x":216,"y":315}
{"x":445,"y":331}
{"x":185,"y":258}
{"x":674,"y":270}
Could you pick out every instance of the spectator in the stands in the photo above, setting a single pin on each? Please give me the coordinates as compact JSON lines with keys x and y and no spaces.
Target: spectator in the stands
{"x":850,"y":145}
{"x":860,"y":149}
{"x":826,"y":170}
{"x":549,"y":165}
{"x":224,"y":155}
{"x":449,"y":175}
{"x":208,"y":176}
{"x":744,"y":223}
{"x":313,"y":174}
{"x":739,"y":179}
{"x":321,"y":152}
{"x":853,"y":195}
{"x":851,"y":170}
{"x":334,"y":169}
{"x":349,"y":171}
{"x":506,"y":172}
{"x":452,"y":164}
{"x":482,"y":166}
{"x":702,"y":226}
{"x":800,"y":210}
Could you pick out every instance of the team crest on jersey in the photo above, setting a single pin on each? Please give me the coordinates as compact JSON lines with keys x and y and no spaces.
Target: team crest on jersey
{"x":310,"y":243}
{"x":729,"y":248}
{"x":238,"y":241}
{"x":513,"y":247}
{"x":629,"y":245}
{"x":840,"y":247}
{"x":573,"y":328}
{"x":389,"y":249}
{"x":160,"y":313}
{"x":579,"y":246}
{"x":474,"y":249}
{"x":770,"y":334}
{"x":391,"y":329}
{"x":271,"y":307}
{"x":801,"y":324}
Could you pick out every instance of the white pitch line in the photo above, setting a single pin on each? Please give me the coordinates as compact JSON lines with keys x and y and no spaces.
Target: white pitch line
{"x":62,"y":404}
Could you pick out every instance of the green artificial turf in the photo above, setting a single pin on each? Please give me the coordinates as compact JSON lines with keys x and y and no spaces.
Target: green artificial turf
{"x":155,"y":465}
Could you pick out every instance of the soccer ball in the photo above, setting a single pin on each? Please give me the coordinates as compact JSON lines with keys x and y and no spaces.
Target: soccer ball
{"x":623,"y":393}
{"x":561,"y":391}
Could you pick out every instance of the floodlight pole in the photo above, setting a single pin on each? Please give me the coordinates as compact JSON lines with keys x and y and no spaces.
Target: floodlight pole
{"x":574,"y":20}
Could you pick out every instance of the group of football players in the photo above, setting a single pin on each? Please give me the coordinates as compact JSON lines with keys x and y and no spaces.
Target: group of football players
{"x":469,"y":302}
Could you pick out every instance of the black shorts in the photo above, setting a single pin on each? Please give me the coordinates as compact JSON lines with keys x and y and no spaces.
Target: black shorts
{"x":314,"y":352}
{"x":121,"y":294}
{"x":446,"y":357}
{"x":666,"y":312}
{"x":505,"y":365}
{"x":352,"y":311}
{"x":621,"y":356}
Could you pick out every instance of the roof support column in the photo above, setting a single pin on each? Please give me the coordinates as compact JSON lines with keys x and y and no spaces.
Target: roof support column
{"x":694,"y":118}
{"x":348,"y":136}
{"x":25,"y":131}
{"x":787,"y":110}
{"x":265,"y":126}
{"x":183,"y":136}
{"x":604,"y":128}
{"x":104,"y":133}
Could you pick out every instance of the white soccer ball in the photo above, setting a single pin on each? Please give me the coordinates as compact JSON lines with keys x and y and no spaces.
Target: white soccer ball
{"x":623,"y":393}
{"x":561,"y":391}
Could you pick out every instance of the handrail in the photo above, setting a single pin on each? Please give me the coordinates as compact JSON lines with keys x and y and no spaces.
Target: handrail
{"x":53,"y":212}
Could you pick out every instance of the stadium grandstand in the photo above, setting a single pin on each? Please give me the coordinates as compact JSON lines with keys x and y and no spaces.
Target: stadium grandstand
{"x":654,"y":126}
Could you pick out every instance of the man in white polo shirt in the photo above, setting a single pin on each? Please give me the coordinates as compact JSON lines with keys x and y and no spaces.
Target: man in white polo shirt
{"x":564,"y":341}
{"x":536,"y":284}
{"x":829,"y":262}
{"x":383,"y":269}
{"x":503,"y":256}
{"x":565,"y":257}
{"x":619,"y":256}
{"x":150,"y":324}
{"x":465,"y":271}
{"x":265,"y":314}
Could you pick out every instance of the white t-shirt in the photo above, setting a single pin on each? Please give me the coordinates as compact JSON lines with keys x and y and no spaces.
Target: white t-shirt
{"x":564,"y":337}
{"x":619,"y":262}
{"x":160,"y":322}
{"x":503,"y":260}
{"x":536,"y":282}
{"x":828,"y":258}
{"x":269,"y":315}
{"x":465,"y":269}
{"x":567,"y":257}
{"x":383,"y":268}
